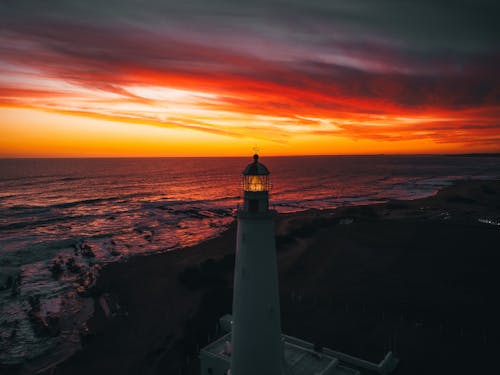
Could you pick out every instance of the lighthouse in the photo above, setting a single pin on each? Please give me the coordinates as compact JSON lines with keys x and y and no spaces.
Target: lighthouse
{"x":256,"y":328}
{"x":253,"y":343}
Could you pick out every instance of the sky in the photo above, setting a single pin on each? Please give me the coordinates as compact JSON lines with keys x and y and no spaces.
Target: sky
{"x":214,"y":78}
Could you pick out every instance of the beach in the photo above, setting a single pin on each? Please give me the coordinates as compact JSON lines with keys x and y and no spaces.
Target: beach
{"x":416,"y":277}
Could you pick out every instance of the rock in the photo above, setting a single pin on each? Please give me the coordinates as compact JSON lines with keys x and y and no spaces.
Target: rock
{"x":53,"y":326}
{"x":84,"y":249}
{"x":8,"y":276}
{"x":7,"y":282}
{"x":72,"y":266}
{"x":44,"y":326}
{"x":15,"y":286}
{"x":34,"y":302}
{"x":56,"y":269}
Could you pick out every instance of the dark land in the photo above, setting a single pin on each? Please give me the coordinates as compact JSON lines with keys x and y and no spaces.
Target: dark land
{"x":418,"y":277}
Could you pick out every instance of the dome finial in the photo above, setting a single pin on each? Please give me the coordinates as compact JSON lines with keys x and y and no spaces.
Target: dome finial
{"x":256,"y":149}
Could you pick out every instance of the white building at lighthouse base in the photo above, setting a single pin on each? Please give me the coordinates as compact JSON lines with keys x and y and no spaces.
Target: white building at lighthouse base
{"x":299,"y":358}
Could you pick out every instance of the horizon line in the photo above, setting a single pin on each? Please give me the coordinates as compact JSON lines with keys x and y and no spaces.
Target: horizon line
{"x":245,"y":156}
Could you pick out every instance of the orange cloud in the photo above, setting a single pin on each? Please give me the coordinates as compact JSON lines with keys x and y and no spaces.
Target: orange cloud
{"x":228,"y":97}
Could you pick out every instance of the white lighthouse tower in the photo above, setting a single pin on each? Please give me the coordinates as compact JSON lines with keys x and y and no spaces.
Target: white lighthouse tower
{"x":253,"y":343}
{"x":256,"y":329}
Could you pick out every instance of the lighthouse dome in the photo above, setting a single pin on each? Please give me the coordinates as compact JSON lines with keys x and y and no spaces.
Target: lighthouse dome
{"x":256,"y":177}
{"x":256,"y":168}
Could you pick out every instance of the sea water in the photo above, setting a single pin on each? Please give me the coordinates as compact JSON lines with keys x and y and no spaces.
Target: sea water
{"x":54,"y":210}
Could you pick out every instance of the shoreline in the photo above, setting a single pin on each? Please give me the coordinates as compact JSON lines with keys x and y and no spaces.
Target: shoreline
{"x":154,"y":301}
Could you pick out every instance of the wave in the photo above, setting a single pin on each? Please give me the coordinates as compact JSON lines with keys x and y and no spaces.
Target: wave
{"x":29,"y":208}
{"x":169,"y":204}
{"x":82,"y":202}
{"x":3,"y":197}
{"x":37,"y":222}
{"x":72,"y":178}
{"x":35,"y":208}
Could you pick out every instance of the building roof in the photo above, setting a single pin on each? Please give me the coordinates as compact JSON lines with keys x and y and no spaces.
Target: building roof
{"x":300,"y":357}
{"x":256,"y":168}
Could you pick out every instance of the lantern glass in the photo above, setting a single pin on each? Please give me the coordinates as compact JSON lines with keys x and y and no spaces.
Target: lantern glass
{"x":256,"y":183}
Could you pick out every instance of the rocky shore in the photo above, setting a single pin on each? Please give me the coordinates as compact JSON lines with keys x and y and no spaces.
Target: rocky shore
{"x":415,"y":277}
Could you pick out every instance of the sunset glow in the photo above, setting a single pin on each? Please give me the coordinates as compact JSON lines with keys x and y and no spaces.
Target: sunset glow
{"x":77,"y":80}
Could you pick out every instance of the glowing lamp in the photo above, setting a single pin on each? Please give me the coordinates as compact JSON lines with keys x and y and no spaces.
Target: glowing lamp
{"x":256,"y":187}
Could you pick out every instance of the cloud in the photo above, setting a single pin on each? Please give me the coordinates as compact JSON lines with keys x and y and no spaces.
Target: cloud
{"x":264,"y":68}
{"x":466,"y":25}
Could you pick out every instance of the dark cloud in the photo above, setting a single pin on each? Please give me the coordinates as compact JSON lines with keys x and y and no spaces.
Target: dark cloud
{"x":426,"y":25}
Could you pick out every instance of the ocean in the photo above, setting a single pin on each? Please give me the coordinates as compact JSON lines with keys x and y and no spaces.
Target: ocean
{"x":61,"y":219}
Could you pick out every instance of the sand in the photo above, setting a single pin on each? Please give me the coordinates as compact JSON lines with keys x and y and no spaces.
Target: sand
{"x":416,"y":277}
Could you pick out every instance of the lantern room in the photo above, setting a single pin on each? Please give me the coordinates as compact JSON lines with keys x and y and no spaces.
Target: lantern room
{"x":256,"y":176}
{"x":256,"y":187}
